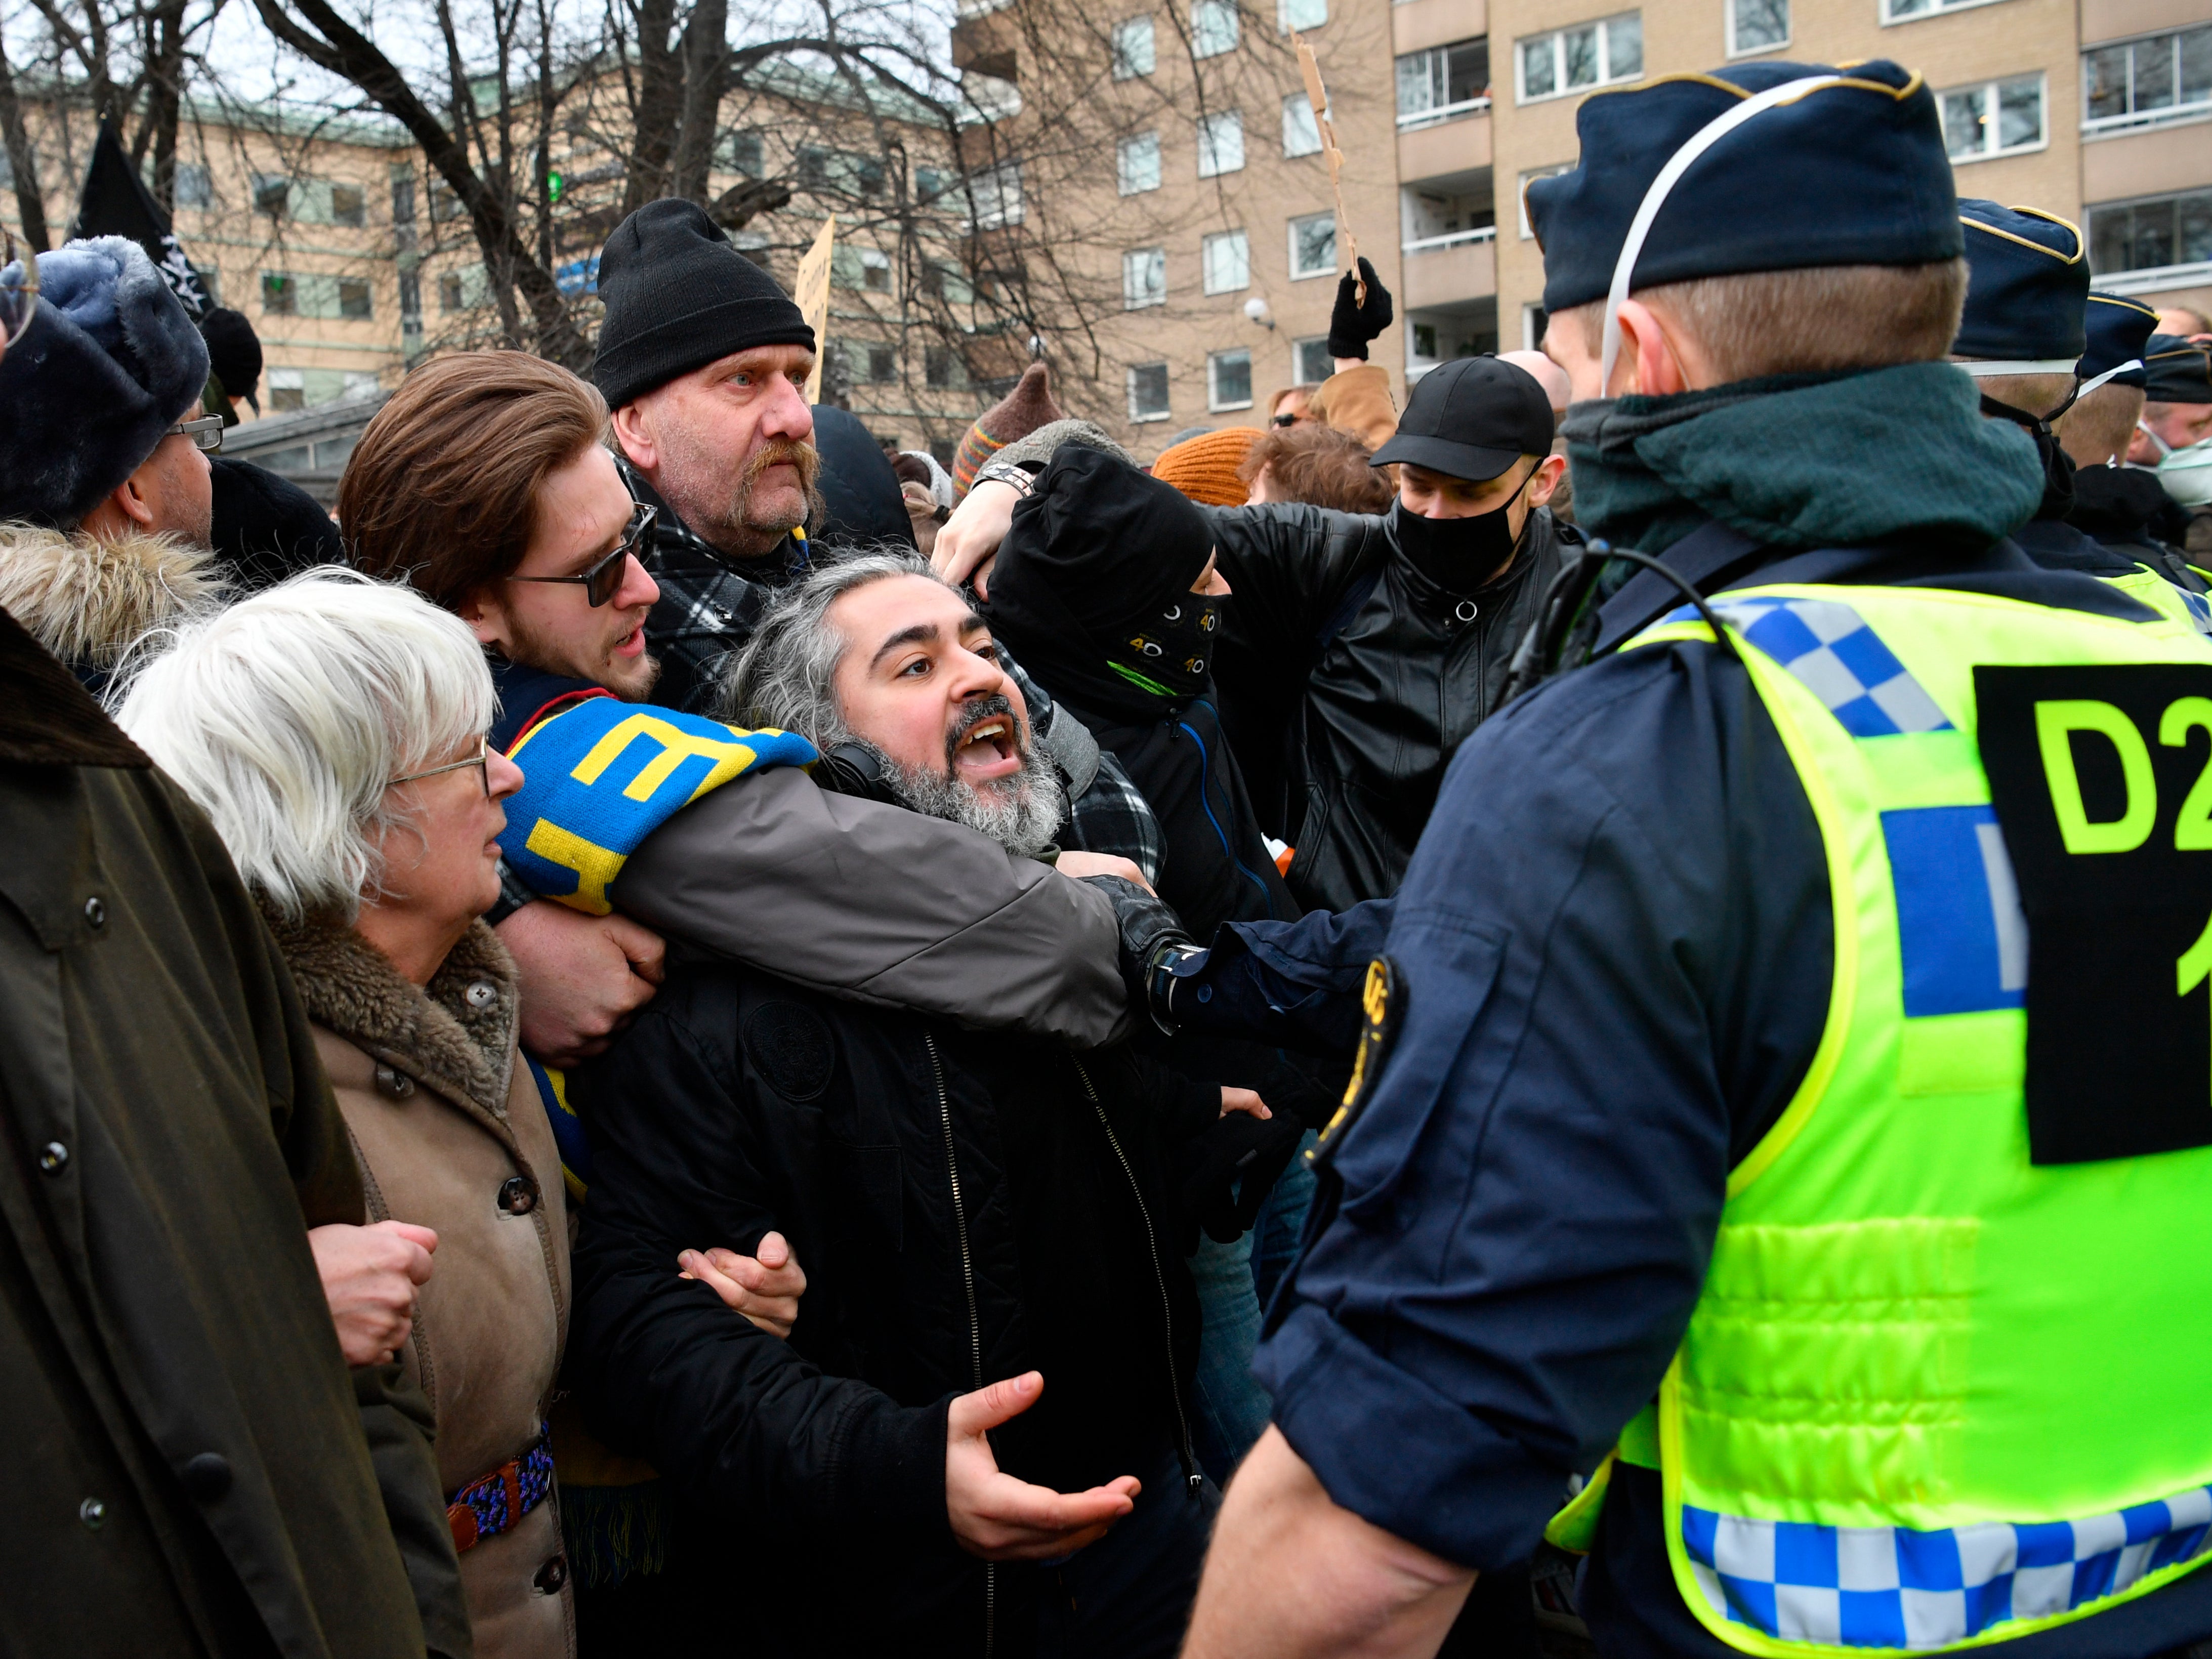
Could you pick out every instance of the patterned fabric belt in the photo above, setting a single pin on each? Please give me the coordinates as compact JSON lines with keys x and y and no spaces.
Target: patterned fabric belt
{"x":495,"y":1502}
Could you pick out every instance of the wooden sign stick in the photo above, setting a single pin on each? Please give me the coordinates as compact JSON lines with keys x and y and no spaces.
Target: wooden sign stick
{"x":1317,"y":95}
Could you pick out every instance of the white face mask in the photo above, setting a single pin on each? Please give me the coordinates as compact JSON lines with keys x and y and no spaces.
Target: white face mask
{"x":2186,"y":474}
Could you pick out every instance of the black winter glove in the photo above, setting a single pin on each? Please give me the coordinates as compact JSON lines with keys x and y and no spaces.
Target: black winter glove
{"x":1148,"y":927}
{"x":1228,"y":1172}
{"x":1351,"y":326}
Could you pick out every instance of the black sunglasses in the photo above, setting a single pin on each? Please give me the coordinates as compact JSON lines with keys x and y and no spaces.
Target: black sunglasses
{"x":603,"y":576}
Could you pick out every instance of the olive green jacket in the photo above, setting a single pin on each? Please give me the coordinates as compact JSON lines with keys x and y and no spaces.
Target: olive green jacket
{"x":188,"y":1466}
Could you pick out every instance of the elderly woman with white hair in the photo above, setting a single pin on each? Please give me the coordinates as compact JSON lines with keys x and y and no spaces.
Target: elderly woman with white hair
{"x":333,"y":727}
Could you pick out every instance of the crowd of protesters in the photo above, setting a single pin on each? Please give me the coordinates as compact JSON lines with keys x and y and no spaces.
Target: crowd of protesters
{"x":674,"y":1028}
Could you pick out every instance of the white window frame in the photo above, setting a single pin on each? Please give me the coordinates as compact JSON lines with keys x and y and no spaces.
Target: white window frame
{"x":1125,"y":33}
{"x":1126,"y":149}
{"x":1215,"y":403}
{"x":1233,"y":246}
{"x":1317,"y":344}
{"x":1521,"y":193}
{"x":1891,"y":18}
{"x":2145,"y":279}
{"x":1284,"y":22}
{"x":1433,"y":114}
{"x":2135,"y":121}
{"x":1144,"y":278}
{"x":1531,"y":310}
{"x":1993,"y":90}
{"x":1297,"y":112}
{"x":1139,"y":416}
{"x":1604,"y":26}
{"x":1207,"y":41}
{"x":1298,"y":275}
{"x":1789,"y":31}
{"x":1215,"y":157}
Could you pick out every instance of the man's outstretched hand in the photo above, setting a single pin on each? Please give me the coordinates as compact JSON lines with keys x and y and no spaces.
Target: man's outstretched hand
{"x":584,"y":978}
{"x":1000,"y":1519}
{"x":765,"y":1288}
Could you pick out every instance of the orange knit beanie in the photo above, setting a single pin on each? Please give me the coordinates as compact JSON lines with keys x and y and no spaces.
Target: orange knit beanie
{"x":1205,"y":467}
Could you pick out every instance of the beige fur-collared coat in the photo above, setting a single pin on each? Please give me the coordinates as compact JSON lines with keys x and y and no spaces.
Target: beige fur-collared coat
{"x":451,"y":1134}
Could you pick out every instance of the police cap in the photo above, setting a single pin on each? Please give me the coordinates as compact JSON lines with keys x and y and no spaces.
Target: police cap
{"x":2177,"y":370}
{"x":2118,"y":331}
{"x":2026,"y":283}
{"x":1850,"y":173}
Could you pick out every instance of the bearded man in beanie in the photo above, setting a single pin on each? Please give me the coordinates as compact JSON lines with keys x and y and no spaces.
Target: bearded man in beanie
{"x":1787,"y":926}
{"x":703,"y":361}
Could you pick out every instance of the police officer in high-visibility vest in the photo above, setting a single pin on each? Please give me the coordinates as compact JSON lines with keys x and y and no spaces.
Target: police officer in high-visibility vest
{"x":2022,"y":337}
{"x":1786,"y":1094}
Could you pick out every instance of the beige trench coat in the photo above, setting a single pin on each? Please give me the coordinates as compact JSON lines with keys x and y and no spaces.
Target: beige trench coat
{"x":451,"y":1134}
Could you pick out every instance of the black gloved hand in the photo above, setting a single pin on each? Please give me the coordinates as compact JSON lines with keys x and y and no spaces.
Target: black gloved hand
{"x":1148,"y":925}
{"x":1227,"y":1173}
{"x":1351,"y":324}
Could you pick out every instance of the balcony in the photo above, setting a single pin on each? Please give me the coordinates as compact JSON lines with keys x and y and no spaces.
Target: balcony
{"x":1430,"y":148}
{"x":1450,"y":269}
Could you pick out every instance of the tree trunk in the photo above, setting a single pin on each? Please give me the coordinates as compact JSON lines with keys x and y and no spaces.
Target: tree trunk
{"x":30,"y":200}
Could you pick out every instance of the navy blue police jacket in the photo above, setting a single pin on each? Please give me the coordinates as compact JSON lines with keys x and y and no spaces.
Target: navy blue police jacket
{"x":1614,"y":946}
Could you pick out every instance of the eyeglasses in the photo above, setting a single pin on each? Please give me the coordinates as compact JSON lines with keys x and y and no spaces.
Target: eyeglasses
{"x":605,"y":576}
{"x":19,"y":288}
{"x":204,"y":430}
{"x":482,"y":757}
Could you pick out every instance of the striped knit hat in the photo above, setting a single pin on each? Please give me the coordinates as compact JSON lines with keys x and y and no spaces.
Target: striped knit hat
{"x":1020,"y":412}
{"x":1205,"y":467}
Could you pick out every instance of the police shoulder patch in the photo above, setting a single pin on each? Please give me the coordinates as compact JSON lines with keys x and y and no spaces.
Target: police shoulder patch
{"x":1382,"y":1001}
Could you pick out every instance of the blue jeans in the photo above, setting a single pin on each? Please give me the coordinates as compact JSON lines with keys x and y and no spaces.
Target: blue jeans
{"x":1234,"y":1282}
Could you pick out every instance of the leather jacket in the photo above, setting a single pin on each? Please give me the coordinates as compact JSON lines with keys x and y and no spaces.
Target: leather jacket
{"x":1349,"y":679}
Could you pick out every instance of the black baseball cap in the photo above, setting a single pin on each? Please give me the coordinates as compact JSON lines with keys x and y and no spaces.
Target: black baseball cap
{"x":1472,"y":418}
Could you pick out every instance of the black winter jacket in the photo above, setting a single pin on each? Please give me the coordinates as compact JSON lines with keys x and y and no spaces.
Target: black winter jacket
{"x":967,"y":1207}
{"x":1348,"y":680}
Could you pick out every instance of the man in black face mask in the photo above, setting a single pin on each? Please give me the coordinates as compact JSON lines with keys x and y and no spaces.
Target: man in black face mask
{"x":1358,"y":650}
{"x":1361,"y":650}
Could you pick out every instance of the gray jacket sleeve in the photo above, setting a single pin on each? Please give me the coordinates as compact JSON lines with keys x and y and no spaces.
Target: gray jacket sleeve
{"x":877,"y":904}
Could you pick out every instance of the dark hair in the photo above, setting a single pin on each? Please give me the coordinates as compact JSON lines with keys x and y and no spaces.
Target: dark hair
{"x":1317,"y":464}
{"x":442,"y":490}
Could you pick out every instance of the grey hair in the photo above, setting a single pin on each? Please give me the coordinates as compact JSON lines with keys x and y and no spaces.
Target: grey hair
{"x":786,"y":678}
{"x":287,"y":716}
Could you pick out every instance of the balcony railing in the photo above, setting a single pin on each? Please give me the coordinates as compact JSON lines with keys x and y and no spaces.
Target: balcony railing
{"x":1453,"y":239}
{"x":2152,"y":280}
{"x":2137,"y":120}
{"x":1443,"y":113}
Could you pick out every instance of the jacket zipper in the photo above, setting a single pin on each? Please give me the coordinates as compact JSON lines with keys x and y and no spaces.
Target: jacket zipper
{"x":1189,"y":1458}
{"x":975,"y":1322}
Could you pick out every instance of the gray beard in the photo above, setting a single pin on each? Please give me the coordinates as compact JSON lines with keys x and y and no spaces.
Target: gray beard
{"x":1022,"y":813}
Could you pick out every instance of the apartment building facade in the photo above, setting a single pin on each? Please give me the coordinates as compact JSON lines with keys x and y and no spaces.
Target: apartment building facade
{"x":2100,"y":111}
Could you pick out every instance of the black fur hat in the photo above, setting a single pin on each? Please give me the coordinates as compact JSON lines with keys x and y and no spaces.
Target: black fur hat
{"x":109,"y":363}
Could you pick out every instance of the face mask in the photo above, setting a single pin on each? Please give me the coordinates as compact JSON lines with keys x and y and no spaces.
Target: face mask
{"x":1458,"y":554}
{"x":1170,"y":654}
{"x":2186,"y":474}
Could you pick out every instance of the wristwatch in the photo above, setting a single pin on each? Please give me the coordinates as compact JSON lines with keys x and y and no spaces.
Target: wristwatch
{"x":1169,"y":962}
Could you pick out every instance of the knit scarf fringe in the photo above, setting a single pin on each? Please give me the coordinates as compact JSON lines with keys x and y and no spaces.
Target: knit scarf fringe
{"x":612,"y":1532}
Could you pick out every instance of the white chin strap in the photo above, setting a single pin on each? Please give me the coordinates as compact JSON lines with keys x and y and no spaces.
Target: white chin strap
{"x":2164,"y":447}
{"x":2088,"y":386}
{"x":1990,"y":368}
{"x":1678,"y":164}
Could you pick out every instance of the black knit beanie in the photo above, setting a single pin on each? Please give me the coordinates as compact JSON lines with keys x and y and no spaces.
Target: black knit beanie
{"x":679,"y":296}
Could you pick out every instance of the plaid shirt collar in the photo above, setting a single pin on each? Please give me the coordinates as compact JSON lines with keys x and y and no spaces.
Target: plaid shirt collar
{"x":708,"y":606}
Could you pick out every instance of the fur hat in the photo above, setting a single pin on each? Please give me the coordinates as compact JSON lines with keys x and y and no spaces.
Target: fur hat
{"x":1205,"y":467}
{"x":1020,"y":412}
{"x":109,"y":363}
